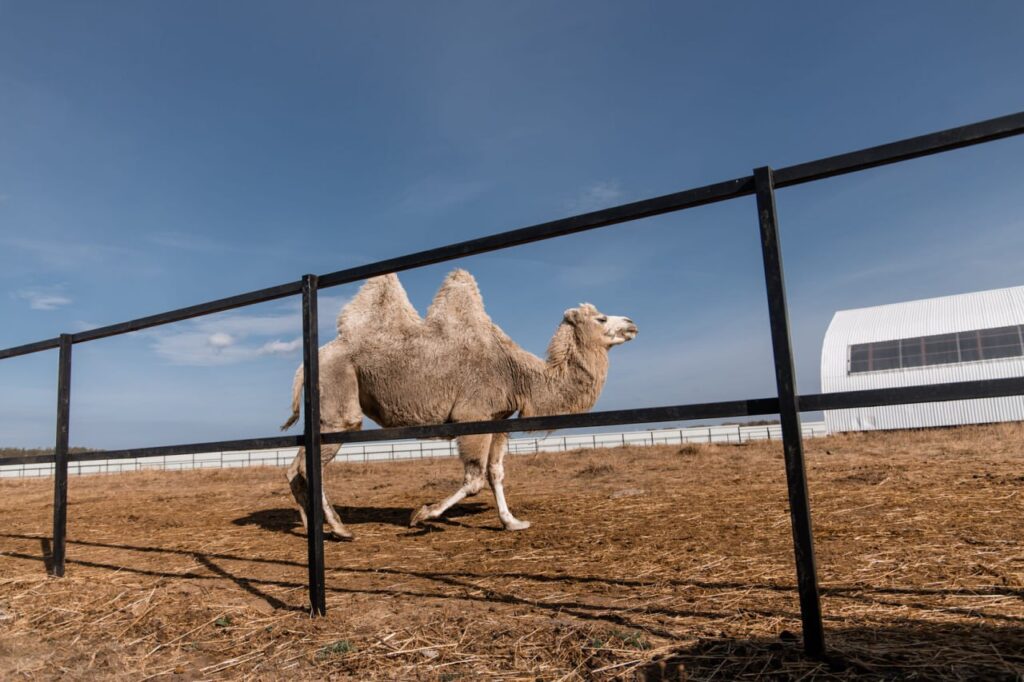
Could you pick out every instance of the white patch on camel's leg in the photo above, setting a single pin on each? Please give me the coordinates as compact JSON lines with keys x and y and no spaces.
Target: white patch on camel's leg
{"x":473,"y":452}
{"x":333,"y":520}
{"x":496,"y":477}
{"x":433,"y":511}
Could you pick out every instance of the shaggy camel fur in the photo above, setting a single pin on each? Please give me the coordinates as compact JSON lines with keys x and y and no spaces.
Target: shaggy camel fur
{"x":455,"y":365}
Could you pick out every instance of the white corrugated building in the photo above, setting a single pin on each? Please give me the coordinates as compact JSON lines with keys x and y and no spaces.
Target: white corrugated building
{"x":965,"y":337}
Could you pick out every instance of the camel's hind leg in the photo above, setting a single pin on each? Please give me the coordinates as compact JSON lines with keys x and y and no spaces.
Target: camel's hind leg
{"x":496,"y":476}
{"x":473,"y":453}
{"x":298,"y":483}
{"x":339,"y":411}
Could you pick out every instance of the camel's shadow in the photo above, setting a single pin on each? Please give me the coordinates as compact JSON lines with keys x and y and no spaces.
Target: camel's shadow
{"x":288,"y":521}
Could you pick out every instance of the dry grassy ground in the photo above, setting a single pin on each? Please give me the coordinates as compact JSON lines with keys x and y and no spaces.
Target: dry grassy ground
{"x":641,"y":562}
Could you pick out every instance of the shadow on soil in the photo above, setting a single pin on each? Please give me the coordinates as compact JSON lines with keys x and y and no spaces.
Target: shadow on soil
{"x":288,"y":521}
{"x":915,"y":651}
{"x":47,"y":549}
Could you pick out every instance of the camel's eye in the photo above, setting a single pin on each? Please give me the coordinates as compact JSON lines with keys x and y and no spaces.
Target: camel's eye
{"x":602,"y":319}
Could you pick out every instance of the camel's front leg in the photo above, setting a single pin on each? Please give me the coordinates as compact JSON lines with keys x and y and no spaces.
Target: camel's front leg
{"x":473,"y":453}
{"x":496,"y":477}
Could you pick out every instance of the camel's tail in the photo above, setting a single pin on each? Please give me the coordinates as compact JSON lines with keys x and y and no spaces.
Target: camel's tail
{"x":296,"y":399}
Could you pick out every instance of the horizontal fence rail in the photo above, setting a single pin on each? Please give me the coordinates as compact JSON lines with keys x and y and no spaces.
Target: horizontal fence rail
{"x":788,"y":404}
{"x":908,"y":395}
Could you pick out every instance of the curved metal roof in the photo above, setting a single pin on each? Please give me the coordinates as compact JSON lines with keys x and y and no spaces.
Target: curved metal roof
{"x":922,"y":318}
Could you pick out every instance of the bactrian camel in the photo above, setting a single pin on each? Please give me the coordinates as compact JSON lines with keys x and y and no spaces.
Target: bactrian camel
{"x":456,"y":365}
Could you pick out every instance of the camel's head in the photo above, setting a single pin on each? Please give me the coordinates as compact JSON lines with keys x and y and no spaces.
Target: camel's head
{"x":607,"y":330}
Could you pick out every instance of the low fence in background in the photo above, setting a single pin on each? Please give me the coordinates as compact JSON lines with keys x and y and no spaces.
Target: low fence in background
{"x":419,"y":449}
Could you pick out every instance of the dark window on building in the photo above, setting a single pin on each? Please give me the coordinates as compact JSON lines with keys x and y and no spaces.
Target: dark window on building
{"x":1003,"y":342}
{"x":885,"y":355}
{"x":912,"y":352}
{"x":970,"y":348}
{"x":938,"y":349}
{"x":860,"y":358}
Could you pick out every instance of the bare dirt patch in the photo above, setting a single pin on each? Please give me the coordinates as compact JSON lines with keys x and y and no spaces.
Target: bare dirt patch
{"x":185,"y":575}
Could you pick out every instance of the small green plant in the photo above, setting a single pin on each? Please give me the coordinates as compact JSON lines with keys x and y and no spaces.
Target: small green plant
{"x":223,"y":621}
{"x":634,"y":640}
{"x":624,"y":638}
{"x":342,"y":646}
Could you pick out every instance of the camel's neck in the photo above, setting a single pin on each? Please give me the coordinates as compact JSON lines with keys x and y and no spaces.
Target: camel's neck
{"x":573,"y":376}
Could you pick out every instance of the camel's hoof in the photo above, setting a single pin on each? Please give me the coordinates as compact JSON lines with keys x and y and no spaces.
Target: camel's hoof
{"x":516,"y":524}
{"x":342,"y":534}
{"x":422,"y":515}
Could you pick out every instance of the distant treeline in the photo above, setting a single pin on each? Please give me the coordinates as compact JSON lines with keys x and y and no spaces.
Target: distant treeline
{"x":32,"y":452}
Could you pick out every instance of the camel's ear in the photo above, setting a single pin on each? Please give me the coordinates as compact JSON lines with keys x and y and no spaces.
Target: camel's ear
{"x":573,"y":316}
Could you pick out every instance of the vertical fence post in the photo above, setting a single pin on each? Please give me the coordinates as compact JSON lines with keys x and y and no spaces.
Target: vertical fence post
{"x":314,"y":494}
{"x":789,"y":415}
{"x":60,"y":457}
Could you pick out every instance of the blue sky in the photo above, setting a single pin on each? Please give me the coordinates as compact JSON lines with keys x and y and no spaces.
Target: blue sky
{"x":155,"y":155}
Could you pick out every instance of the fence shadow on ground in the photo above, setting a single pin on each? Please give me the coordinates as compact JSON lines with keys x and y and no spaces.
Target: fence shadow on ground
{"x":913,"y":651}
{"x":859,"y":592}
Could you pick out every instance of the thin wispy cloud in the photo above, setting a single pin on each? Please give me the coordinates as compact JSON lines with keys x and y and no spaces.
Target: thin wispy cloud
{"x":594,"y":275}
{"x":596,"y":196}
{"x":283,"y":347}
{"x":948,"y":267}
{"x":184,"y":241}
{"x":199,"y":349}
{"x":43,"y":299}
{"x":66,"y":255}
{"x":232,"y":338}
{"x":435,"y":193}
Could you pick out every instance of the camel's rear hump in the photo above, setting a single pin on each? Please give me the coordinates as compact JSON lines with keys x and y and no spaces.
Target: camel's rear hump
{"x":458,"y":306}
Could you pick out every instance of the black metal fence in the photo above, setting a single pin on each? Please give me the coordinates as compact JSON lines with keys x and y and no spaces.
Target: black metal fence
{"x":762,"y":183}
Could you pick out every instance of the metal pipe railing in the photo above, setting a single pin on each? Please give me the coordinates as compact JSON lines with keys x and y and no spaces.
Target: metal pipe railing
{"x":788,"y":404}
{"x":812,"y":402}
